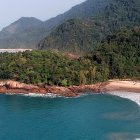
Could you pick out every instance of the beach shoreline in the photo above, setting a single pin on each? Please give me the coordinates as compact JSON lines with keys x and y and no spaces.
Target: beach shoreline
{"x":121,"y":85}
{"x":110,"y":86}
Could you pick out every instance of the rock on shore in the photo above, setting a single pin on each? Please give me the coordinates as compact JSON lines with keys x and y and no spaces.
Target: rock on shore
{"x":14,"y":87}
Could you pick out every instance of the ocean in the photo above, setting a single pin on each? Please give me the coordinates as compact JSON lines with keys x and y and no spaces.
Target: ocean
{"x":88,"y":117}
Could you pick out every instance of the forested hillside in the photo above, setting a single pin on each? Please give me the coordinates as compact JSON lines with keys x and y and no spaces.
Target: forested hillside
{"x":73,"y":36}
{"x":120,"y":53}
{"x":118,"y":56}
{"x":83,"y":34}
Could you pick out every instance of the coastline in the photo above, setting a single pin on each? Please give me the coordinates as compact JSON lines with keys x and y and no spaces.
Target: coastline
{"x":126,"y":89}
{"x":135,"y":97}
{"x":14,"y":87}
{"x":121,"y":85}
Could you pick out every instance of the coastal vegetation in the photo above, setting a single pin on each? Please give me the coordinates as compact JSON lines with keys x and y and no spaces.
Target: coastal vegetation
{"x":117,"y":56}
{"x":120,"y":53}
{"x":50,"y":67}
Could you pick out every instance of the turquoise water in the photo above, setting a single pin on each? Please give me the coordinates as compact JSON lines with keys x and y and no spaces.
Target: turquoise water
{"x":91,"y":117}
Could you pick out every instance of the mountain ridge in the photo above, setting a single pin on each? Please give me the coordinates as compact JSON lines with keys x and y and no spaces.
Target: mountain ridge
{"x":21,"y":40}
{"x":109,"y":14}
{"x":23,"y":33}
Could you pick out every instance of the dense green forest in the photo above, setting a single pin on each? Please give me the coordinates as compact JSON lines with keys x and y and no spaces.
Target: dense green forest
{"x":50,"y":67}
{"x":117,"y":56}
{"x":120,"y":53}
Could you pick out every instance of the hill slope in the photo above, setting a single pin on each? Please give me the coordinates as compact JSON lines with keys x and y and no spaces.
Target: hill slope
{"x":73,"y":36}
{"x":120,"y":53}
{"x":108,"y":17}
{"x":24,"y":33}
{"x":85,"y":10}
{"x":111,"y":14}
{"x":27,"y":32}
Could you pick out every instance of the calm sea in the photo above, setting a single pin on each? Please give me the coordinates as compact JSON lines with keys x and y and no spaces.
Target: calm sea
{"x":91,"y":117}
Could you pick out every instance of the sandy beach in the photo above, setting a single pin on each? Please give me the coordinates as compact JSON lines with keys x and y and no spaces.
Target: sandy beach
{"x":121,"y":85}
{"x":123,"y":88}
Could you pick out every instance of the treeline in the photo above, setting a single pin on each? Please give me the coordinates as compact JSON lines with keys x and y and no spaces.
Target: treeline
{"x":49,"y":67}
{"x":118,"y":56}
{"x":121,"y":54}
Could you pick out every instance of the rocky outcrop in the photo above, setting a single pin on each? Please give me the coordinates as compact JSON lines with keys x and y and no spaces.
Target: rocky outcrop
{"x":63,"y":91}
{"x":17,"y":85}
{"x":86,"y":88}
{"x":72,"y":91}
{"x":18,"y":88}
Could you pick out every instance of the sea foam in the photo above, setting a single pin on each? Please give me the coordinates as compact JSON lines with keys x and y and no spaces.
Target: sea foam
{"x":48,"y":95}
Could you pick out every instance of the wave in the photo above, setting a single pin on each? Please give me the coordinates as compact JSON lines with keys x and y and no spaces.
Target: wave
{"x":135,"y":97}
{"x":48,"y":95}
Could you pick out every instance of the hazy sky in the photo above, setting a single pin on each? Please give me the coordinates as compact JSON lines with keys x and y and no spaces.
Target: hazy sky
{"x":11,"y":10}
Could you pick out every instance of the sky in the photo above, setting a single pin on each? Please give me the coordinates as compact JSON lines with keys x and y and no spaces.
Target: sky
{"x":12,"y":10}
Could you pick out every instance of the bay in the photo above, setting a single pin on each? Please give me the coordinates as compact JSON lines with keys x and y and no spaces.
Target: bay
{"x":90,"y":117}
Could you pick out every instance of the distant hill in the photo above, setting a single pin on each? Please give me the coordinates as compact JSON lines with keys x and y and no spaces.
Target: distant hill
{"x":22,"y":25}
{"x":93,"y":21}
{"x":103,"y":16}
{"x":27,"y":32}
{"x":84,"y":10}
{"x":24,"y":33}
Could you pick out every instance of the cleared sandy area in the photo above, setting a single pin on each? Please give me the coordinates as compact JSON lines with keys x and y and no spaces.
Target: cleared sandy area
{"x":121,"y":85}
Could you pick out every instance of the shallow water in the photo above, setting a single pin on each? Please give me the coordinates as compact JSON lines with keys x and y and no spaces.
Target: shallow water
{"x":91,"y":117}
